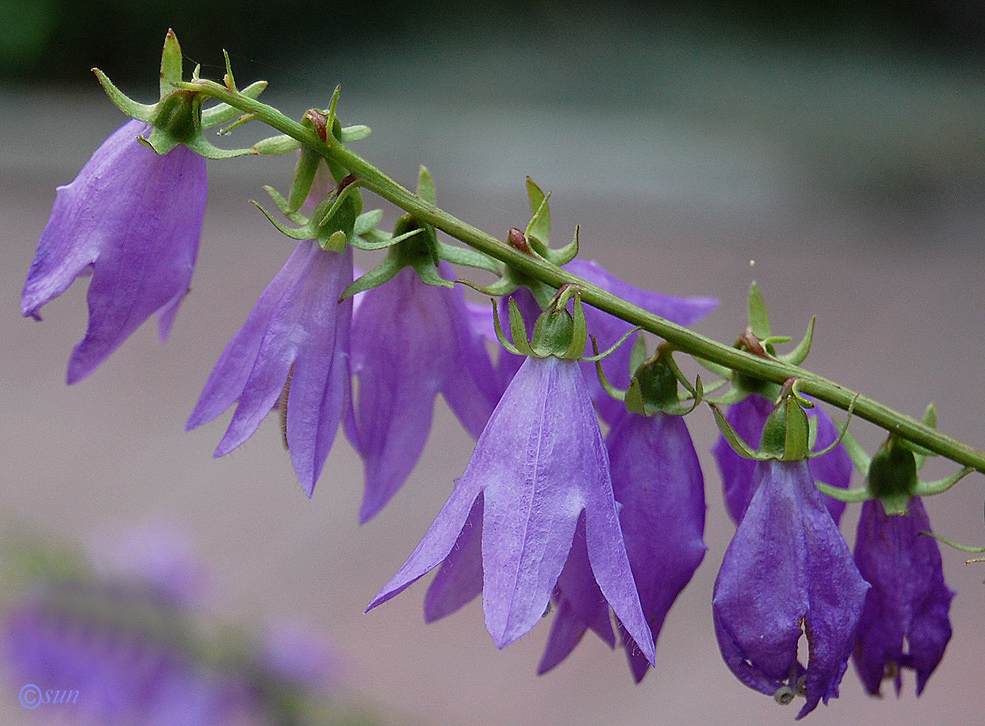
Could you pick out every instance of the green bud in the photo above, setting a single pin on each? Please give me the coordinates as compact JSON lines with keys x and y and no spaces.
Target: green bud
{"x":786,"y":435}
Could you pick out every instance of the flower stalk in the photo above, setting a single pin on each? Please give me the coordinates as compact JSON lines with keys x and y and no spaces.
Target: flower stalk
{"x":681,"y":338}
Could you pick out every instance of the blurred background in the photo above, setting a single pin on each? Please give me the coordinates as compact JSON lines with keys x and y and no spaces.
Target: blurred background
{"x":835,"y":153}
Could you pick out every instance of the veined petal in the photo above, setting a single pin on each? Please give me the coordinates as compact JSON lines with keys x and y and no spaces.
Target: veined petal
{"x":580,"y":605}
{"x":410,"y":341}
{"x":459,"y":581}
{"x":439,"y":540}
{"x":787,"y":567}
{"x":297,"y":322}
{"x":909,"y":602}
{"x":656,"y":478}
{"x":135,"y":218}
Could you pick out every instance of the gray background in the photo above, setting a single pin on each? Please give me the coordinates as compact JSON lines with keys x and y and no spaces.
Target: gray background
{"x":852,"y":176}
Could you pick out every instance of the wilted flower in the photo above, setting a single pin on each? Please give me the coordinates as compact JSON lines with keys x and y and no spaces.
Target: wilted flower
{"x":133,"y":219}
{"x":538,"y":468}
{"x":409,"y":342}
{"x":748,"y":417}
{"x":657,"y":482}
{"x":787,"y":572}
{"x":905,"y":621}
{"x":296,"y":336}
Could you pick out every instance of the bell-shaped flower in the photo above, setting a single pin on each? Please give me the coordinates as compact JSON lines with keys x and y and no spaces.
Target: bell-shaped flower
{"x":411,"y":341}
{"x":657,"y":482}
{"x":295,"y":344}
{"x":748,"y":417}
{"x":786,"y":573}
{"x":905,"y":621}
{"x":538,"y":468}
{"x":133,"y":220}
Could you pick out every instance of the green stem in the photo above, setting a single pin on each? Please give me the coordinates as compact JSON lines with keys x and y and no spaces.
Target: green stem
{"x":681,"y":338}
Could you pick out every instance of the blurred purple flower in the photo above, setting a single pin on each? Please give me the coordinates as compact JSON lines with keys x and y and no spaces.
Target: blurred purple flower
{"x":788,"y":572}
{"x":133,"y":219}
{"x":109,"y":644}
{"x":538,"y":468}
{"x":909,"y":602}
{"x":748,"y":417}
{"x":411,"y":341}
{"x":296,"y":336}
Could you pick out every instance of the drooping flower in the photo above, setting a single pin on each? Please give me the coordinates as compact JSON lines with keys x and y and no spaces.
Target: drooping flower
{"x":657,"y":482}
{"x":748,"y":417}
{"x":411,"y":341}
{"x":788,"y":572}
{"x":133,"y":219}
{"x":905,"y":621}
{"x":296,"y":336}
{"x":538,"y":467}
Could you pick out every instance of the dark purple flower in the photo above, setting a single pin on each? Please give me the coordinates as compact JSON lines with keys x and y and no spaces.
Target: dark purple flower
{"x":538,"y":467}
{"x":411,"y":341}
{"x":788,"y":572}
{"x":907,"y":607}
{"x":606,"y":328}
{"x":657,"y":481}
{"x":133,"y":219}
{"x":296,"y":336}
{"x":748,"y":417}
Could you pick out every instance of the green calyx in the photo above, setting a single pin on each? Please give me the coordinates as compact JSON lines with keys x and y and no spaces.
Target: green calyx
{"x":556,"y":333}
{"x":178,"y":116}
{"x":891,"y":475}
{"x":788,"y":434}
{"x":655,"y":383}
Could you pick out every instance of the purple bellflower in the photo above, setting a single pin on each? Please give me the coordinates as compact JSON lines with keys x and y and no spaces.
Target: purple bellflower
{"x":909,"y":601}
{"x":296,"y":336}
{"x":410,"y":341}
{"x":657,"y":482}
{"x":539,"y":467}
{"x":133,"y":220}
{"x":748,"y":417}
{"x":788,"y":572}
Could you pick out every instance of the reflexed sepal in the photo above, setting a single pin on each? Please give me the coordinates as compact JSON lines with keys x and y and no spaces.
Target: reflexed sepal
{"x":556,"y":333}
{"x":177,"y":117}
{"x":654,"y":384}
{"x":539,"y":229}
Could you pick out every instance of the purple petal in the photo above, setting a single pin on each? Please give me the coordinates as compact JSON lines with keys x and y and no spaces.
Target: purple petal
{"x":909,"y":601}
{"x":656,"y":478}
{"x":437,"y":543}
{"x":580,"y":606}
{"x":297,"y":322}
{"x":135,"y":218}
{"x":787,"y":566}
{"x":411,"y":340}
{"x":459,"y":581}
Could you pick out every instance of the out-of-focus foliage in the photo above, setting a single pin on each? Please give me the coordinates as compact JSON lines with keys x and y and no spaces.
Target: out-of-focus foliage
{"x":59,"y":40}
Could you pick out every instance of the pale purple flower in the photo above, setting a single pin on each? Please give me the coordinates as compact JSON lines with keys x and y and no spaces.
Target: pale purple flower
{"x":133,"y":219}
{"x":786,"y":573}
{"x":296,"y":336}
{"x":748,"y":417}
{"x":905,"y":622}
{"x":657,"y":482}
{"x":538,"y":467}
{"x":411,"y":341}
